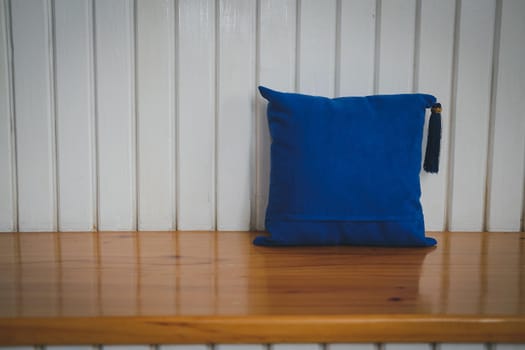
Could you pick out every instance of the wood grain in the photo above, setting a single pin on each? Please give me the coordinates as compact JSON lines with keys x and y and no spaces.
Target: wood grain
{"x":216,"y":287}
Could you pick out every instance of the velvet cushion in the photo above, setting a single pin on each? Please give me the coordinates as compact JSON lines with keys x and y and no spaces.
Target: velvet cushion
{"x":345,"y":170}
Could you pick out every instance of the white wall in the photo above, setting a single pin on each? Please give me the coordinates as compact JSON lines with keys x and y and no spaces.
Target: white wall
{"x":123,"y":115}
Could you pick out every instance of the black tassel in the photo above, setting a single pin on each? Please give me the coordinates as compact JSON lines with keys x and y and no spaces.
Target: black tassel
{"x":431,"y":164}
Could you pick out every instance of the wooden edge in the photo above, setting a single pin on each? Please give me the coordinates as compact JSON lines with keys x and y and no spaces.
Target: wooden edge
{"x":261,"y":329}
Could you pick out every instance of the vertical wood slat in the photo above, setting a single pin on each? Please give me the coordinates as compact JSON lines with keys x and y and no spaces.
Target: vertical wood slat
{"x":407,"y":346}
{"x":155,"y":114}
{"x":126,"y":347}
{"x":353,"y":346}
{"x":239,"y":347}
{"x":471,"y":119}
{"x":74,"y":115}
{"x":185,"y":347}
{"x":357,"y":47}
{"x":7,"y":174}
{"x":316,"y":47}
{"x":435,"y":77}
{"x":449,"y":346}
{"x":306,"y":346}
{"x":70,"y":347}
{"x":196,"y":113}
{"x":505,"y":208}
{"x":508,"y":347}
{"x":277,"y":23}
{"x":114,"y":76}
{"x":396,"y":46}
{"x":235,"y":119}
{"x":35,"y":124}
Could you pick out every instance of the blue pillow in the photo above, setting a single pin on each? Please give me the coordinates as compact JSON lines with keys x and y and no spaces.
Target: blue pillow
{"x":345,"y":170}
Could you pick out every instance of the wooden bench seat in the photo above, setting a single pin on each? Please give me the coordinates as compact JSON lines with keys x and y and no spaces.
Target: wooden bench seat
{"x":216,"y":287}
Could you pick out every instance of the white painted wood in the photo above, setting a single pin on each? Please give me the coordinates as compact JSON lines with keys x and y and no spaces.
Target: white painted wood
{"x":353,"y":346}
{"x":196,"y":115}
{"x":222,"y":152}
{"x":402,"y":346}
{"x":471,"y":119}
{"x":115,"y":114}
{"x":506,"y":182}
{"x":35,"y":139}
{"x":316,"y":47}
{"x":126,"y":347}
{"x":239,"y":347}
{"x":155,"y":114}
{"x":435,"y":77}
{"x":396,"y":46}
{"x":235,"y":124}
{"x":7,"y":176}
{"x":296,"y":347}
{"x":508,"y":347}
{"x":70,"y":347}
{"x":185,"y":347}
{"x":357,"y":47}
{"x":277,"y":23}
{"x":74,"y":115}
{"x":460,"y":346}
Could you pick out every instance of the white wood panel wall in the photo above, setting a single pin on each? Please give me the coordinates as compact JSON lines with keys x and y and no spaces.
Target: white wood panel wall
{"x":33,"y":90}
{"x":75,"y":117}
{"x":155,"y":87}
{"x":8,"y":210}
{"x":135,"y":114}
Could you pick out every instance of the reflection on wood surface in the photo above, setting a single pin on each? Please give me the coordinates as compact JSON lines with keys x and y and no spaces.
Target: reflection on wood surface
{"x":222,"y":273}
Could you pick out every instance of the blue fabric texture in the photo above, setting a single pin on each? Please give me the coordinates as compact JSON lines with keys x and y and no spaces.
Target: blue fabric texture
{"x":345,"y":171}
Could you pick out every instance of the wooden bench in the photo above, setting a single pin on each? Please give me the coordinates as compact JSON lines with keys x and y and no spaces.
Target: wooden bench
{"x":216,"y":287}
